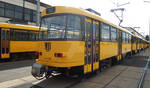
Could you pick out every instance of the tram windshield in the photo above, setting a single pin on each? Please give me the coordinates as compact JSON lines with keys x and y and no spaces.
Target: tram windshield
{"x":62,"y":26}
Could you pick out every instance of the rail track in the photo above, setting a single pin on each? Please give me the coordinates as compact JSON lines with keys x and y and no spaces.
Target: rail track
{"x":141,"y":82}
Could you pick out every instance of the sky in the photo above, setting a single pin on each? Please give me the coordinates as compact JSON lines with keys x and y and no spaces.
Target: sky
{"x":136,"y":14}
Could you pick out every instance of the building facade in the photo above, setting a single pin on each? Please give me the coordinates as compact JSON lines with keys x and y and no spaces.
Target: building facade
{"x":20,"y":11}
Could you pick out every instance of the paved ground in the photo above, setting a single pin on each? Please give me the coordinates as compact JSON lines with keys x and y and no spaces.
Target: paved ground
{"x":125,"y":75}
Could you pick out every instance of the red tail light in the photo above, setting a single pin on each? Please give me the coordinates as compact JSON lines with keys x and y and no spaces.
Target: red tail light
{"x":38,"y":53}
{"x":58,"y":54}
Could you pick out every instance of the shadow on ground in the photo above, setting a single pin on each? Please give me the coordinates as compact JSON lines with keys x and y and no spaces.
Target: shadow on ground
{"x":135,"y":61}
{"x":16,"y":64}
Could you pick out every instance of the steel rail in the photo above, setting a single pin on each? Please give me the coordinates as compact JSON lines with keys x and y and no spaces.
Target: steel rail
{"x":140,"y":84}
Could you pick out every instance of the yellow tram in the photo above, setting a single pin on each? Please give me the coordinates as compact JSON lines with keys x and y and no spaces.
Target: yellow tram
{"x":18,"y":41}
{"x":80,"y":42}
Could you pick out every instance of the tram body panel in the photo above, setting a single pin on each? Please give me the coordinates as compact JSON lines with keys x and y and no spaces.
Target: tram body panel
{"x":72,"y":53}
{"x":126,"y":47}
{"x":5,"y":40}
{"x":134,"y":47}
{"x":23,"y":46}
{"x":17,"y":39}
{"x":108,"y":49}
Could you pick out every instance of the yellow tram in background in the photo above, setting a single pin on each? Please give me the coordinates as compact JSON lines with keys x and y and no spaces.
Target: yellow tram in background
{"x":18,"y":41}
{"x":79,"y":42}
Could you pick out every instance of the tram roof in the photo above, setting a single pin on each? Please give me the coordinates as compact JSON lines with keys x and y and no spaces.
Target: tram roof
{"x":72,"y":10}
{"x":19,"y":26}
{"x":78,"y":11}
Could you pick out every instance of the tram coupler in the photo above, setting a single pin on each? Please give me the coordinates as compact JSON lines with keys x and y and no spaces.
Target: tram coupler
{"x":38,"y":70}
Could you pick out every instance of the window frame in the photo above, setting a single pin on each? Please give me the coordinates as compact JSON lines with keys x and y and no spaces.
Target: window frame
{"x":126,"y":38}
{"x":23,"y":35}
{"x":3,"y":35}
{"x":101,"y":33}
{"x":129,"y":41}
{"x":116,"y":33}
{"x":18,"y":11}
{"x":22,"y":14}
{"x":11,"y":8}
{"x":2,"y":7}
{"x":27,"y":12}
{"x":81,"y":38}
{"x":123,"y":37}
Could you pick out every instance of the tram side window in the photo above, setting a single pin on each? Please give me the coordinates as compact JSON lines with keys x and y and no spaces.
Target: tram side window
{"x":73,"y":27}
{"x":123,"y":37}
{"x":17,"y":36}
{"x":21,"y":36}
{"x":7,"y":35}
{"x":89,"y":31}
{"x":36,"y":36}
{"x":113,"y":34}
{"x":13,"y":35}
{"x":3,"y":35}
{"x":94,"y":31}
{"x":126,"y":37}
{"x":42,"y":35}
{"x":45,"y":35}
{"x":26,"y":36}
{"x":133,"y":39}
{"x":30,"y":35}
{"x":33,"y":36}
{"x":97,"y":32}
{"x":56,"y":27}
{"x":129,"y":38}
{"x":105,"y":32}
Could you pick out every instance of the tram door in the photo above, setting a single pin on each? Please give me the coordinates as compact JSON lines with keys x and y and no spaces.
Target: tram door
{"x":0,"y":43}
{"x":96,"y":49}
{"x":119,"y":42}
{"x":5,"y":39}
{"x":91,"y":46}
